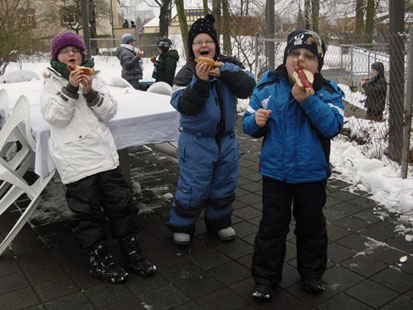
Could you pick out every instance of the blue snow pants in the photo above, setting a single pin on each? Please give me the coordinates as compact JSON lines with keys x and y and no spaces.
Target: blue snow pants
{"x":207,"y":181}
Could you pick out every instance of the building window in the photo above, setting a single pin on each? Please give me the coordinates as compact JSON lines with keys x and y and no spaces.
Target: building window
{"x":70,"y":15}
{"x":27,"y":17}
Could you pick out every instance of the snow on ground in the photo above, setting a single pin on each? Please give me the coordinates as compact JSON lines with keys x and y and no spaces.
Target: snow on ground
{"x":377,"y":177}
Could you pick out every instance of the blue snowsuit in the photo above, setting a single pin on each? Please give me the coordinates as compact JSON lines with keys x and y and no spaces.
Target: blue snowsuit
{"x":208,"y":148}
{"x":294,"y":162}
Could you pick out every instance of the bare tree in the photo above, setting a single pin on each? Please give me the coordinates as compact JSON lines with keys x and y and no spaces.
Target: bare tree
{"x":205,"y":7}
{"x":359,"y":16}
{"x":164,"y":17}
{"x":370,"y":21}
{"x":315,"y":11}
{"x":180,"y":7}
{"x":216,"y":11}
{"x":307,"y":14}
{"x":227,"y":25}
{"x":16,"y":31}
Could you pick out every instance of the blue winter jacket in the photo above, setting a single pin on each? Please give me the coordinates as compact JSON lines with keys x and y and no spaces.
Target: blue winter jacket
{"x":209,"y":107}
{"x":292,"y":149}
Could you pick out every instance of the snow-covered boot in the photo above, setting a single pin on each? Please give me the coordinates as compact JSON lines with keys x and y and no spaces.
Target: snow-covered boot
{"x":132,"y":257}
{"x":102,"y":265}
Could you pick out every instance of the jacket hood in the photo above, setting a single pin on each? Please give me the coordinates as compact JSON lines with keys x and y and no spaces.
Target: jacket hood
{"x":172,"y":53}
{"x":379,"y":67}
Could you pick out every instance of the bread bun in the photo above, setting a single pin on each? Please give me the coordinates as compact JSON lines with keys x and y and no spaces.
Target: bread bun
{"x":209,"y":61}
{"x":85,"y":70}
{"x":303,"y":78}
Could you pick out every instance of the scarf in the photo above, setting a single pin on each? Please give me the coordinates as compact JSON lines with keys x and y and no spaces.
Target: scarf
{"x":62,"y":68}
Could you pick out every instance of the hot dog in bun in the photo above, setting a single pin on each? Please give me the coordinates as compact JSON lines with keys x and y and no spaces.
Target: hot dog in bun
{"x":303,"y":78}
{"x":85,"y":70}
{"x":209,"y":61}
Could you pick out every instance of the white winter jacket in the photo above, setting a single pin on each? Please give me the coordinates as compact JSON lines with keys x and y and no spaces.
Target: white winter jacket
{"x":81,"y":143}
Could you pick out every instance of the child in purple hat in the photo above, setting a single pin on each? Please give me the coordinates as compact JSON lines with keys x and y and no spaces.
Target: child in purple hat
{"x":77,"y":107}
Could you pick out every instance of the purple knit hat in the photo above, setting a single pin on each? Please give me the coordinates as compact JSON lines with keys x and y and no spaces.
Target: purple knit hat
{"x":66,"y":39}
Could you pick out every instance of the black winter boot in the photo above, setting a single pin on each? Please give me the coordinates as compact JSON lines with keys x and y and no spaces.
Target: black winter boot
{"x":132,"y":257}
{"x":102,"y":265}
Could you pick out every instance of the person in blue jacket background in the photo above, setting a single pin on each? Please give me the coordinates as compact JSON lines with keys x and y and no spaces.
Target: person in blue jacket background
{"x":208,"y":148}
{"x":294,"y":163}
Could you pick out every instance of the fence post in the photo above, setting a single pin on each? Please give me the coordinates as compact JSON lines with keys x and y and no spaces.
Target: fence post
{"x":408,"y":114}
{"x":351,"y":65}
{"x":256,"y":54}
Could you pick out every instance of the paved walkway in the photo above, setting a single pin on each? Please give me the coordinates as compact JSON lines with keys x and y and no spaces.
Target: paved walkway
{"x":46,"y":270}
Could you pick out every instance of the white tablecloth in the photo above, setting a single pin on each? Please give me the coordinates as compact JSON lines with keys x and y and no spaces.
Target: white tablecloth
{"x":142,"y":118}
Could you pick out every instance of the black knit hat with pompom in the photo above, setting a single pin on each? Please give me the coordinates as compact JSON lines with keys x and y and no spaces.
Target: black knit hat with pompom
{"x":203,"y":25}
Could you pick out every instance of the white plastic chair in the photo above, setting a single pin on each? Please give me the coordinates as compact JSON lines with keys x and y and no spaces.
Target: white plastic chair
{"x":161,"y":88}
{"x":119,"y":82}
{"x":4,"y":107}
{"x":12,"y":171}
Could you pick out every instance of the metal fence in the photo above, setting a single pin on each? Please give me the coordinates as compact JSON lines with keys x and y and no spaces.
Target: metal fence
{"x":348,"y":62}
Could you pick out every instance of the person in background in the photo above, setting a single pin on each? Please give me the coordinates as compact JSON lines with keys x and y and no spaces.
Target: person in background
{"x":208,"y":148}
{"x":376,"y":90}
{"x":131,"y":60}
{"x":77,"y":108}
{"x":165,"y":66}
{"x":294,"y":162}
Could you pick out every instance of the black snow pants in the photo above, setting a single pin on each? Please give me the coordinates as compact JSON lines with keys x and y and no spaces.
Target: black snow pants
{"x":307,"y":201}
{"x":96,"y":197}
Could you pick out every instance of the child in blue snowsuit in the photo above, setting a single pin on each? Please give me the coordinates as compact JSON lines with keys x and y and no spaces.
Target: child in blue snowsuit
{"x":294,"y":163}
{"x":208,"y":147}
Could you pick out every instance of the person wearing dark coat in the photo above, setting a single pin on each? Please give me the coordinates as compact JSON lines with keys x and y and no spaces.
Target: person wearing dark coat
{"x":375,"y":89}
{"x":131,"y":60}
{"x":165,"y":66}
{"x":208,"y":148}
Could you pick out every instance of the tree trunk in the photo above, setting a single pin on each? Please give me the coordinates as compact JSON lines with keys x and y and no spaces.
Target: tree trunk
{"x":205,"y":7}
{"x":315,"y":11}
{"x":92,"y":28}
{"x":307,"y":14}
{"x":164,"y":18}
{"x":216,"y":11}
{"x":180,"y":8}
{"x":369,"y":21}
{"x":359,"y":17}
{"x":227,"y":27}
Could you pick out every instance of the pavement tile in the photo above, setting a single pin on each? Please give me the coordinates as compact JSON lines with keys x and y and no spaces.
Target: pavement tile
{"x":140,"y":285}
{"x":364,"y":265}
{"x":56,"y":288}
{"x":335,"y":232}
{"x":352,"y":223}
{"x":19,"y":299}
{"x":222,"y":299}
{"x":241,"y":192}
{"x":230,"y":273}
{"x":8,"y":265}
{"x":165,"y":297}
{"x":354,"y":241}
{"x":346,"y":208}
{"x":256,"y":220}
{"x":234,"y":249}
{"x":399,"y":242}
{"x":26,"y":247}
{"x":253,"y":187}
{"x":395,"y":279}
{"x":36,"y":259}
{"x":378,"y":232}
{"x":245,"y":229}
{"x":13,"y":282}
{"x":45,"y":273}
{"x":128,"y":303}
{"x":188,"y":306}
{"x":385,"y":254}
{"x":364,"y":202}
{"x":246,"y":260}
{"x":344,"y":195}
{"x":250,"y":239}
{"x":207,"y":258}
{"x":298,"y":291}
{"x":338,"y":253}
{"x":290,"y":276}
{"x":341,"y":278}
{"x":333,"y":215}
{"x":401,"y":303}
{"x":107,"y":293}
{"x":247,"y":213}
{"x":372,"y":293}
{"x":283,"y":300}
{"x":331,"y":201}
{"x":76,"y":301}
{"x":368,"y":216}
{"x":343,"y":302}
{"x":250,"y":199}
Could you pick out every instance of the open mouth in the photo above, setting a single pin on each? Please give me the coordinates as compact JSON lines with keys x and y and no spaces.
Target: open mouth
{"x":72,"y":60}
{"x":204,"y":53}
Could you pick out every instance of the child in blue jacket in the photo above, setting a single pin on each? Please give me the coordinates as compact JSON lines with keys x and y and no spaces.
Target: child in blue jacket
{"x":294,"y":162}
{"x":208,"y":146}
